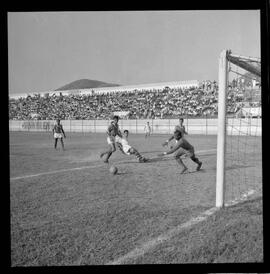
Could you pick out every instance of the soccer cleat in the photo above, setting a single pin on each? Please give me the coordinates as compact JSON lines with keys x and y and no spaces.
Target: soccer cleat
{"x":199,"y":166}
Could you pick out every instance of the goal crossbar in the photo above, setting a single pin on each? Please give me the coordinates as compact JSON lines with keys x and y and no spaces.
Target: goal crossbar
{"x":243,"y":64}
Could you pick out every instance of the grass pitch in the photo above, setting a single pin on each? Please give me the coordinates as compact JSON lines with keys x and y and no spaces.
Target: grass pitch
{"x":67,"y":209}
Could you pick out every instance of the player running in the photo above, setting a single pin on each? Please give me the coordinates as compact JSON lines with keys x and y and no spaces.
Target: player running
{"x":147,"y":130}
{"x":113,"y":139}
{"x":182,"y":147}
{"x":179,"y":127}
{"x":58,"y":133}
{"x":129,"y":150}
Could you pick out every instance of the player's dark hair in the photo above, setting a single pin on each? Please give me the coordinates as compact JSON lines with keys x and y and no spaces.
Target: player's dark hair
{"x":115,"y":117}
{"x":126,"y":131}
{"x":182,"y":119}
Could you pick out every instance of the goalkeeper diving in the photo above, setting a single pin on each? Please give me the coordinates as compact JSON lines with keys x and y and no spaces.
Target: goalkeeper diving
{"x":179,"y":127}
{"x":182,"y":148}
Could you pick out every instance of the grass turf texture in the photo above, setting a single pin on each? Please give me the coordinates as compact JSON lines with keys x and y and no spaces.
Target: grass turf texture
{"x":87,"y":216}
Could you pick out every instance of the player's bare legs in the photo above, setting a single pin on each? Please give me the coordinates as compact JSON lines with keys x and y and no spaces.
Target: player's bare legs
{"x":55,"y":143}
{"x":180,"y":162}
{"x":109,"y":152}
{"x":197,"y":161}
{"x":135,"y":152}
{"x":62,"y":143}
{"x":104,"y":152}
{"x":178,"y":159}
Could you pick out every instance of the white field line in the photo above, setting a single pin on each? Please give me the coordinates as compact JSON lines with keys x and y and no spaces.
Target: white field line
{"x":141,"y":250}
{"x":241,"y":199}
{"x":52,"y":172}
{"x":82,"y":167}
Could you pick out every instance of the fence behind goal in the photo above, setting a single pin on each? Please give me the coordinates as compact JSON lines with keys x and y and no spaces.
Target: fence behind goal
{"x":205,"y":126}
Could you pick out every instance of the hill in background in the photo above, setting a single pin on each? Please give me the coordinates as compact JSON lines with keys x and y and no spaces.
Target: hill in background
{"x":86,"y":83}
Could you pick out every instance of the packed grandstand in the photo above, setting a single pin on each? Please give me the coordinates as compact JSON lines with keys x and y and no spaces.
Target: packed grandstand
{"x":150,"y":103}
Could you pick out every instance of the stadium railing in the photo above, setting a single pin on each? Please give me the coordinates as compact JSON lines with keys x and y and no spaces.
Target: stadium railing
{"x":205,"y":126}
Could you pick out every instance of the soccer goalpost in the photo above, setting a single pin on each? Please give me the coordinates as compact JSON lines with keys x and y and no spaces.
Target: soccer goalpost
{"x":239,"y":163}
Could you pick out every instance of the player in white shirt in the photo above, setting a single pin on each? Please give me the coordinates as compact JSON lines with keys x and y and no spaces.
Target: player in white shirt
{"x":129,"y":150}
{"x":147,"y":130}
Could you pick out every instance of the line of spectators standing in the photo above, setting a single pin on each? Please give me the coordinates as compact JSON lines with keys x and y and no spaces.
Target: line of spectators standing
{"x":150,"y":104}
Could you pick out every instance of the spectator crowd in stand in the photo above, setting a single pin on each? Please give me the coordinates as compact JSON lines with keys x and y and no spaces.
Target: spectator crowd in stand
{"x":150,"y":104}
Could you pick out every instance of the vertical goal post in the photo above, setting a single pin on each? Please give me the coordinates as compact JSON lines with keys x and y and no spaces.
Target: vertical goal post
{"x":221,"y":134}
{"x":223,"y":76}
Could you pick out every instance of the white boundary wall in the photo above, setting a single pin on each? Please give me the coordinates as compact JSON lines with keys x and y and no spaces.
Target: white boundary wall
{"x":159,"y":126}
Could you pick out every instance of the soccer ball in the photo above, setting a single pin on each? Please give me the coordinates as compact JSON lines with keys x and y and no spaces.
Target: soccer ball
{"x":113,"y":170}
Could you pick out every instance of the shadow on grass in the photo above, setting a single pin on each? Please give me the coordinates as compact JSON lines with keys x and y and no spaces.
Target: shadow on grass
{"x":122,"y":173}
{"x":233,"y":167}
{"x":147,"y":152}
{"x":206,"y":154}
{"x":160,"y":159}
{"x":237,"y":166}
{"x":193,"y":171}
{"x":150,"y":160}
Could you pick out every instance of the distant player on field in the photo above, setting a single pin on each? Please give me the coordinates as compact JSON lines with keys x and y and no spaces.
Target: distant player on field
{"x":179,"y":127}
{"x":58,"y":133}
{"x":147,"y":130}
{"x":182,"y":147}
{"x":129,"y":150}
{"x":113,"y":138}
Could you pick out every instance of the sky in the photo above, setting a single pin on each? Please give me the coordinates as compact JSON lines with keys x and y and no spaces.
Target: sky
{"x":47,"y":50}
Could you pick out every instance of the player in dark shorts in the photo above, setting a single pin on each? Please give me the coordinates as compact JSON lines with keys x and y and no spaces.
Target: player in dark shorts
{"x":58,"y":133}
{"x":114,"y":136}
{"x":182,"y":147}
{"x":179,"y":127}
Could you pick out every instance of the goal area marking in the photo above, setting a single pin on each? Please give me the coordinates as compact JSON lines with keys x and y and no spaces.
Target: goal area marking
{"x":140,"y":251}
